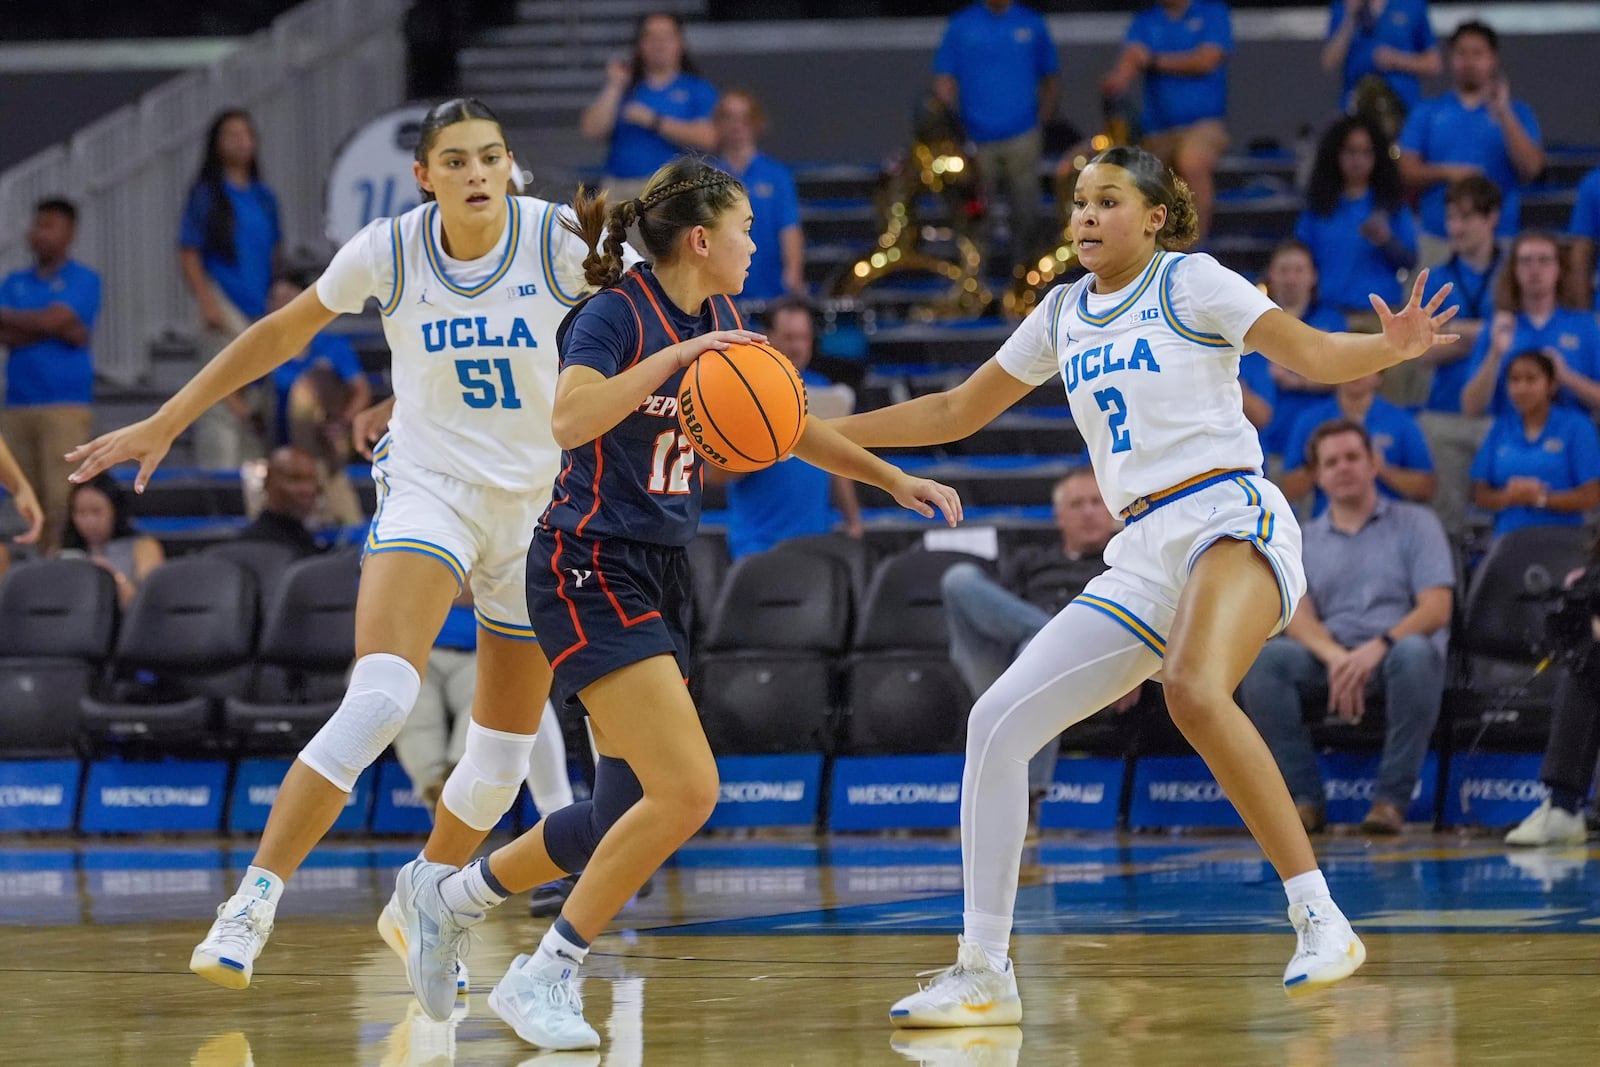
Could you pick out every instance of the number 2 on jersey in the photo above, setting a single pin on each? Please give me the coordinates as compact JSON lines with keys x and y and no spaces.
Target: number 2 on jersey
{"x":477,"y":378}
{"x":674,"y":448}
{"x":1111,"y":400}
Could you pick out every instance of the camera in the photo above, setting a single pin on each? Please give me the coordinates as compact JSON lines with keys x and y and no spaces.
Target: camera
{"x":1568,"y":628}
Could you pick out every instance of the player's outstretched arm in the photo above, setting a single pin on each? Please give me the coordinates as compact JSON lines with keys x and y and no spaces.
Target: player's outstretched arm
{"x":269,"y":342}
{"x":822,"y":446}
{"x":589,"y":404}
{"x":938,"y":417}
{"x":1343,"y":357}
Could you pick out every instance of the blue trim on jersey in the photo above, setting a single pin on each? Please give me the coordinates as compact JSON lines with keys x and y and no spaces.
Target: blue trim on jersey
{"x":1209,"y":340}
{"x":1134,"y":625}
{"x":382,"y":451}
{"x":399,"y":269}
{"x":435,"y":257}
{"x":512,"y":630}
{"x":1103,"y":320}
{"x":1055,"y":321}
{"x":1156,"y":501}
{"x":374,"y":546}
{"x":547,"y":260}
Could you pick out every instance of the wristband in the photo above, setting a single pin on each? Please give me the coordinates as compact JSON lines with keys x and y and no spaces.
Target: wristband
{"x":1388,"y":642}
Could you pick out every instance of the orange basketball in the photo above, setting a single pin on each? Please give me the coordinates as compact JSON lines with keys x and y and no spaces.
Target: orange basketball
{"x":742,"y":408}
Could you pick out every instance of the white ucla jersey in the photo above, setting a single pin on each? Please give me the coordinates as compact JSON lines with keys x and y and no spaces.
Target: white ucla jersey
{"x":1152,"y":372}
{"x":473,"y":344}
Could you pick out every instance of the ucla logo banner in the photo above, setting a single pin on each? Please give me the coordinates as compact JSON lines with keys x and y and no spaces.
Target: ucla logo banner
{"x":895,"y":792}
{"x":38,"y":794}
{"x":163,"y":797}
{"x":767,"y":791}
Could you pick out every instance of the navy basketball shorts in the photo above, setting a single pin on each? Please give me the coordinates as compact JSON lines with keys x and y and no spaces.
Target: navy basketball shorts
{"x":599,"y":605}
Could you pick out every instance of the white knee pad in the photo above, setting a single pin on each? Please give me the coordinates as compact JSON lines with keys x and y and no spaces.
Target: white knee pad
{"x":547,"y":770}
{"x":383,"y":688}
{"x":486,"y":782}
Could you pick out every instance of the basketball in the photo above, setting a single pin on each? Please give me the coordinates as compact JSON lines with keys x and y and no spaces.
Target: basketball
{"x":742,"y":408}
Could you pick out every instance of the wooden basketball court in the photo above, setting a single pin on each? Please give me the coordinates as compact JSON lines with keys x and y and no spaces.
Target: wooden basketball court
{"x":1129,"y":950}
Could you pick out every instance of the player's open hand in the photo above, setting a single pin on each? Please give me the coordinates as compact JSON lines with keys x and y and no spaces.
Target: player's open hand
{"x":922,"y":495}
{"x":695,"y":347}
{"x":369,"y":426}
{"x":1415,"y":329}
{"x":145,"y":442}
{"x":26,"y":502}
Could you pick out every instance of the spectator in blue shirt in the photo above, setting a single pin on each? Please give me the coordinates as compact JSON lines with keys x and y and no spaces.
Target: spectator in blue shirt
{"x":1356,"y":222}
{"x":1471,"y":213}
{"x":1405,"y":470}
{"x":779,"y":262}
{"x":1475,"y":128}
{"x":1540,"y":465}
{"x":652,"y":107}
{"x":1181,"y":47}
{"x":997,"y":66}
{"x":1390,"y":40}
{"x":791,"y":498}
{"x":1528,"y":292}
{"x":46,"y":314}
{"x":228,"y":245}
{"x":1291,"y":281}
{"x":1584,"y":226}
{"x":316,"y":396}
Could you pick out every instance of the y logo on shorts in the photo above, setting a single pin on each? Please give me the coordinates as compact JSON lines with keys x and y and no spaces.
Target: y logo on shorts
{"x":579,"y":577}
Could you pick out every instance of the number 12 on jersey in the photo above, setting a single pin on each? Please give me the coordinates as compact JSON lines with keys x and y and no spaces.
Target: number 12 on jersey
{"x":1111,"y":400}
{"x":670,"y":462}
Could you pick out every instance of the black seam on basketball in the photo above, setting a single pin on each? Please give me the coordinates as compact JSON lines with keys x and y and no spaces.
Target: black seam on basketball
{"x":755,"y":399}
{"x":711,"y":422}
{"x":792,"y":379}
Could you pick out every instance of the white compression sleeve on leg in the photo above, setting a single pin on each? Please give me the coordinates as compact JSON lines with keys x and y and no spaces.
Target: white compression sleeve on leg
{"x":1079,"y":663}
{"x":383,"y":689}
{"x":486,"y":782}
{"x":547,"y":769}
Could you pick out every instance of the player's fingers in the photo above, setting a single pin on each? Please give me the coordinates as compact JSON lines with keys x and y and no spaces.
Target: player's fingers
{"x":1384,"y":314}
{"x":81,"y":451}
{"x":1418,"y":285}
{"x":1446,"y":338}
{"x":97,"y":459}
{"x":1438,"y":298}
{"x":147,"y":467}
{"x":1446,"y":315}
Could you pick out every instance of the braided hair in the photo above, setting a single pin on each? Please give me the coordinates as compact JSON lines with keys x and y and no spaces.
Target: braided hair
{"x":680,"y":196}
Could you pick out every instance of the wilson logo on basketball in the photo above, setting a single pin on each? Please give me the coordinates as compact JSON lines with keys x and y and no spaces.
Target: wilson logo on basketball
{"x":690,"y":421}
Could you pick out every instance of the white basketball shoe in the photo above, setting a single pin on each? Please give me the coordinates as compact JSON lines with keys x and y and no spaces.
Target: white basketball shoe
{"x":545,"y":1013}
{"x":391,"y":928}
{"x":970,"y":993}
{"x":1328,"y":951}
{"x":228,"y":954}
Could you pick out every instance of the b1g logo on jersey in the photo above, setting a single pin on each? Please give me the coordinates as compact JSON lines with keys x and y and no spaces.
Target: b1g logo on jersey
{"x":1088,"y":365}
{"x":474,"y":333}
{"x":515,"y":292}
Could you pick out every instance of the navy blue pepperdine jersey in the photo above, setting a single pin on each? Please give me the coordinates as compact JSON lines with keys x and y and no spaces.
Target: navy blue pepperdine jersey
{"x":640,"y":480}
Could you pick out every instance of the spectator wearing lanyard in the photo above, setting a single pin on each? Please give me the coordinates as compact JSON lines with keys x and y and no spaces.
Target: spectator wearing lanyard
{"x":227,"y":245}
{"x":1471,"y":214}
{"x":1530,"y":317}
{"x":1474,"y":128}
{"x":1405,"y":470}
{"x":652,"y":108}
{"x":1356,"y":223}
{"x":997,"y":66}
{"x":1387,"y":39}
{"x":1292,"y":284}
{"x":1540,"y":465}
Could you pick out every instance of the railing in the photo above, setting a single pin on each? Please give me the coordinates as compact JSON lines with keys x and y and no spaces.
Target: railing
{"x":308,"y":80}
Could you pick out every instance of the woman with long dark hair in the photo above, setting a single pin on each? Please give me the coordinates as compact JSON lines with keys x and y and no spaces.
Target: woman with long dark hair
{"x":100,"y":528}
{"x":472,"y":285}
{"x":652,"y":107}
{"x":226,"y":249}
{"x":1356,"y":222}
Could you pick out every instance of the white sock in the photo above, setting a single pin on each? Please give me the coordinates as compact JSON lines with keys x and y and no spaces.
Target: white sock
{"x":1304,"y":888}
{"x":992,"y":933}
{"x":473,"y":889}
{"x":557,"y":958}
{"x":262,"y":884}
